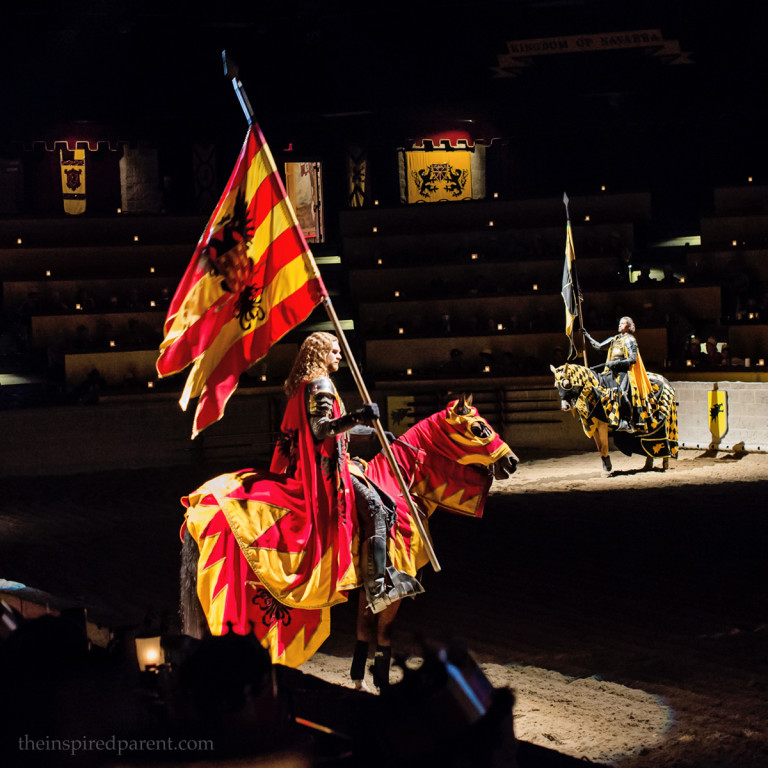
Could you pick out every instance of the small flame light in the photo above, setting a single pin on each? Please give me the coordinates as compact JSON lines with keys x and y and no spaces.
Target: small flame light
{"x":490,"y":223}
{"x":375,"y":202}
{"x":751,"y":315}
{"x":682,"y":279}
{"x":586,"y":218}
{"x":119,"y":210}
{"x":19,"y":241}
{"x":535,"y":286}
{"x":263,"y":377}
{"x":486,"y":369}
{"x":689,"y":363}
{"x":375,"y":229}
{"x":749,"y":179}
{"x":112,"y":343}
{"x":151,"y":270}
{"x":47,"y":272}
{"x":761,"y":362}
{"x":603,"y":188}
{"x":379,"y":261}
{"x":474,"y":257}
{"x":152,"y":303}
{"x":499,"y":327}
{"x":397,"y":294}
{"x":734,"y":243}
{"x":149,"y":652}
{"x":408,"y":371}
{"x":78,"y":307}
{"x":401,"y":331}
{"x":150,"y":385}
{"x":495,"y":195}
{"x":135,"y":238}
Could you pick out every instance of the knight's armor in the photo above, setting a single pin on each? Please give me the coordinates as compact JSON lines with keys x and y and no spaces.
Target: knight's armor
{"x":376,"y":510}
{"x":622,"y":355}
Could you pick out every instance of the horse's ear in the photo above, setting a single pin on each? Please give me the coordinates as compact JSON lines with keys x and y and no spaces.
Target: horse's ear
{"x":463,"y":404}
{"x":553,"y":369}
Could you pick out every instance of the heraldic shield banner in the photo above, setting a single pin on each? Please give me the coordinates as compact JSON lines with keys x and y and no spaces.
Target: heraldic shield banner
{"x":438,"y":175}
{"x":717,"y":401}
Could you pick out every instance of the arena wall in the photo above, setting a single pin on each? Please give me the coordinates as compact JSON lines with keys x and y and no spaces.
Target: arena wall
{"x":747,"y":414}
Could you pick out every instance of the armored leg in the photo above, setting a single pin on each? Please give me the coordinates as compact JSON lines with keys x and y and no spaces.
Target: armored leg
{"x":382,"y":583}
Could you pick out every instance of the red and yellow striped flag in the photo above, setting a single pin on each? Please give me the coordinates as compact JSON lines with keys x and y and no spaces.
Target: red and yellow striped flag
{"x":251,"y":279}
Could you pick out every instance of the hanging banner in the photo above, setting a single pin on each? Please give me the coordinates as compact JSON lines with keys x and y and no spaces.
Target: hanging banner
{"x":73,"y":180}
{"x":718,"y":413}
{"x":401,"y":414}
{"x":438,"y":175}
{"x":519,"y":52}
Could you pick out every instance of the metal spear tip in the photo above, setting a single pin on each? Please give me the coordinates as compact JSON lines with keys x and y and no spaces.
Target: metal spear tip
{"x":230,"y":66}
{"x":565,"y":198}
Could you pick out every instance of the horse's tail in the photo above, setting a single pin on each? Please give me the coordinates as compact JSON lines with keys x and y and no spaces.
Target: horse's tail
{"x":193,"y":622}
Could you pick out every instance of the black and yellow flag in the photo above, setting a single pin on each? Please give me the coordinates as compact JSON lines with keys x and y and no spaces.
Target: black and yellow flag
{"x":73,"y":180}
{"x":570,"y":291}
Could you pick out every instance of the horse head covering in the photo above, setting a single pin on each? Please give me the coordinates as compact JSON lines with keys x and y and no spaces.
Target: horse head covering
{"x":455,"y":450}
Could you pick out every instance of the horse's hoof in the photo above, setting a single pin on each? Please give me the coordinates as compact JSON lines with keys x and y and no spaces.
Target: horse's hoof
{"x":361,"y":685}
{"x":665,"y":465}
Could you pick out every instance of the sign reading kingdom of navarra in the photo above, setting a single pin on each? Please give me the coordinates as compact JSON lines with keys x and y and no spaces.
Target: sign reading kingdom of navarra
{"x":439,"y":175}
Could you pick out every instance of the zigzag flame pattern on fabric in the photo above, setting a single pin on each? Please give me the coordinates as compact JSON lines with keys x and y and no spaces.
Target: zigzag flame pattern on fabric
{"x":234,"y":599}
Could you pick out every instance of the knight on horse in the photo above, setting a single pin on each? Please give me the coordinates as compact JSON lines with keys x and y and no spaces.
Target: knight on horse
{"x":624,"y":371}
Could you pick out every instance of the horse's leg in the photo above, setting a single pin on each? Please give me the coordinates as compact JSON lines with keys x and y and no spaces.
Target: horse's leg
{"x":648,"y":463}
{"x":366,"y":634}
{"x":601,"y":441}
{"x":193,"y":622}
{"x":383,"y":657}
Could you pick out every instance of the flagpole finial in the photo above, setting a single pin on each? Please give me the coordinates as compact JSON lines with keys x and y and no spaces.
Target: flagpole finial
{"x":232,"y":71}
{"x":565,"y":202}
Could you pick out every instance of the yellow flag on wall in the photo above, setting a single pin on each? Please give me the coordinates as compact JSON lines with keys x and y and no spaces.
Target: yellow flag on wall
{"x":718,"y":413}
{"x":73,"y":180}
{"x":438,"y":175}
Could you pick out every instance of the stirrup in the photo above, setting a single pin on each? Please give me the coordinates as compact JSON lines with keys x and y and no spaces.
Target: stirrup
{"x":403,"y":585}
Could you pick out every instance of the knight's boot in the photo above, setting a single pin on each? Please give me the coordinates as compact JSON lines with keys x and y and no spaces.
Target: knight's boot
{"x":381,"y":663}
{"x":384,"y":584}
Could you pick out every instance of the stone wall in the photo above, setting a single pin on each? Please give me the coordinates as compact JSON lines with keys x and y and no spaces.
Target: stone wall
{"x":747,"y":414}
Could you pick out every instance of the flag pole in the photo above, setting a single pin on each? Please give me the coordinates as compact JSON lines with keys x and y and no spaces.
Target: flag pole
{"x":576,"y":286}
{"x":231,"y":70}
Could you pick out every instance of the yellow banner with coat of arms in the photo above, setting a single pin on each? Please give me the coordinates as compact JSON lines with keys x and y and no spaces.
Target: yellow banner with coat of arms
{"x":438,"y":175}
{"x":718,"y":413}
{"x":73,"y":180}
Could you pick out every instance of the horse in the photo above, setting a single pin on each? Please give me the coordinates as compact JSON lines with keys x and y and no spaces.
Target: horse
{"x":580,"y":390}
{"x":448,"y":460}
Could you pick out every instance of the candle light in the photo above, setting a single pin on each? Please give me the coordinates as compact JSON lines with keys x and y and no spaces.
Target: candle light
{"x":111,"y":342}
{"x":47,"y":272}
{"x":408,"y":371}
{"x":152,"y":303}
{"x":379,"y":261}
{"x":495,"y":195}
{"x":18,"y":241}
{"x":490,"y":223}
{"x":78,"y":307}
{"x":603,"y":187}
{"x":474,"y":257}
{"x":375,"y":229}
{"x":535,"y":286}
{"x":586,"y":218}
{"x":150,"y":385}
{"x":152,"y":270}
{"x":761,"y":361}
{"x":135,"y":238}
{"x":119,"y":210}
{"x":263,"y":377}
{"x":397,"y":294}
{"x":734,"y":243}
{"x":486,"y":369}
{"x":688,"y":363}
{"x":499,"y":327}
{"x":400,"y":331}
